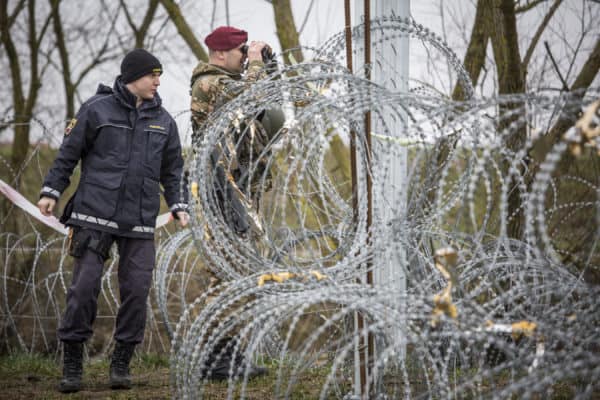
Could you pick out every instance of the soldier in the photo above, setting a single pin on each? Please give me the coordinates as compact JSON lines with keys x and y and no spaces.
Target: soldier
{"x":213,"y":84}
{"x":220,"y":80}
{"x":128,"y":145}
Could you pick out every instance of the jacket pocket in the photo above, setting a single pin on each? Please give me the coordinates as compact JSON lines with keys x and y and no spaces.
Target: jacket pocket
{"x":100,"y":194}
{"x":113,"y":141}
{"x":150,"y":201}
{"x":156,"y":140}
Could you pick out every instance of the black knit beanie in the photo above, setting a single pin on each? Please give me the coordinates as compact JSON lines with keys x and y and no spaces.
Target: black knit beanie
{"x":137,"y":63}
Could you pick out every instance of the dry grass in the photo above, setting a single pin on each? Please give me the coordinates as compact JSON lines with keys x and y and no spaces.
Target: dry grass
{"x":24,"y":376}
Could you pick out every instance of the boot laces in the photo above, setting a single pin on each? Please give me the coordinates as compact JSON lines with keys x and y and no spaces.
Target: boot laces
{"x":121,"y":358}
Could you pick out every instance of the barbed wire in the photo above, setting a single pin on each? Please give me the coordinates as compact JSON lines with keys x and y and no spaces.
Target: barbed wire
{"x":460,"y":308}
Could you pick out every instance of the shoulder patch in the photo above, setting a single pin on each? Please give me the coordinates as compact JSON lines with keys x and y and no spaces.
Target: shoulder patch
{"x":70,"y":127}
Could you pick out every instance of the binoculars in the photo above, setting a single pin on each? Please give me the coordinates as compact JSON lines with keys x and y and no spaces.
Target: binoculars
{"x":267,"y":53}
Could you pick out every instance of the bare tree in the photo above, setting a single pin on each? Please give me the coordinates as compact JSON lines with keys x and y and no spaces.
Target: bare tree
{"x":140,"y":31}
{"x":98,"y":54}
{"x":496,"y":23}
{"x":24,"y":98}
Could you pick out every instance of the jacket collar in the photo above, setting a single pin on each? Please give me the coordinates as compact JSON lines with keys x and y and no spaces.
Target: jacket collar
{"x":128,"y":99}
{"x":204,"y":68}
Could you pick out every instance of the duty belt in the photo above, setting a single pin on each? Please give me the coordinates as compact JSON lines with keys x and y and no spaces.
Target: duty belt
{"x":110,"y":224}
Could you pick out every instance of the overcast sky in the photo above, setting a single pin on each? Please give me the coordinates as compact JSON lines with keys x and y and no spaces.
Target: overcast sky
{"x":326,"y":17}
{"x":316,"y":24}
{"x":317,"y":21}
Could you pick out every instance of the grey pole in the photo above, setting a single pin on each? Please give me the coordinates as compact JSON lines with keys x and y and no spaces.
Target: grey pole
{"x":389,"y":67}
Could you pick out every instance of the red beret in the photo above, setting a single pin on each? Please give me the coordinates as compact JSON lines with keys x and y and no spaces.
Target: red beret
{"x":226,"y":38}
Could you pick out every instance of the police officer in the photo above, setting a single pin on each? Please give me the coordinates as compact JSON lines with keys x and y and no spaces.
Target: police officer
{"x":128,"y":145}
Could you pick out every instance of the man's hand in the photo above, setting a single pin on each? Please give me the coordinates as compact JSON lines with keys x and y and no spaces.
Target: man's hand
{"x":183,"y":218}
{"x":254,"y":50}
{"x":46,"y":205}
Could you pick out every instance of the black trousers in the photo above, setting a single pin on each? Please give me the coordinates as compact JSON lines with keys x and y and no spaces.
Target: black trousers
{"x":136,"y":263}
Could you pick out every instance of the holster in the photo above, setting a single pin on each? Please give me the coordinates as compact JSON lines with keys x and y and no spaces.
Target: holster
{"x":79,"y":241}
{"x":101,"y":245}
{"x":83,"y":239}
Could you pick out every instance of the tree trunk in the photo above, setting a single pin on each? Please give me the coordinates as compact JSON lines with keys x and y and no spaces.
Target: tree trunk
{"x":23,"y":107}
{"x":505,"y":44}
{"x":476,"y":50}
{"x":64,"y":59}
{"x":511,"y":79}
{"x":286,"y":28}
{"x":473,"y":62}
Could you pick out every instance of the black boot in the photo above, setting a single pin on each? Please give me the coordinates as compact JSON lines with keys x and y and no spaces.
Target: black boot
{"x":72,"y":367}
{"x":119,"y":366}
{"x":254,"y":370}
{"x":220,"y":370}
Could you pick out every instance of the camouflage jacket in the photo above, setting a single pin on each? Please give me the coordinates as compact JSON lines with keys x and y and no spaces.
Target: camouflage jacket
{"x":211,"y":88}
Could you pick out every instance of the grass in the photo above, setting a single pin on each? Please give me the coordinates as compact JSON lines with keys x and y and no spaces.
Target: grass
{"x":30,"y":365}
{"x":36,"y":376}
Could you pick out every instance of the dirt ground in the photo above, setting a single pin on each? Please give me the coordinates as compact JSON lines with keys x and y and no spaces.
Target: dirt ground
{"x":149,"y":382}
{"x":149,"y":385}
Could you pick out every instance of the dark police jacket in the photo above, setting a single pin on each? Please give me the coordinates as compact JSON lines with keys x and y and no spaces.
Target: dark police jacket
{"x":125,"y":152}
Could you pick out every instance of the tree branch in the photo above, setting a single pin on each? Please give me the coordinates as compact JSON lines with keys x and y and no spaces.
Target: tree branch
{"x":528,"y":6}
{"x":128,"y":17}
{"x":148,"y":18}
{"x":312,"y":2}
{"x":538,"y":33}
{"x":98,"y":59}
{"x":212,"y":15}
{"x":12,"y":18}
{"x":185,"y":31}
{"x":560,"y":77}
{"x":584,"y":79}
{"x":589,"y":70}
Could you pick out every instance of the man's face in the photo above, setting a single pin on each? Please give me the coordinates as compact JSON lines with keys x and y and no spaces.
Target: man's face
{"x":235,"y":58}
{"x":146,"y":86}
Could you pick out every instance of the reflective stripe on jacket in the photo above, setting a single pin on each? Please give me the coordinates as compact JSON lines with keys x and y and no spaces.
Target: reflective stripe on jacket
{"x":126,"y":154}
